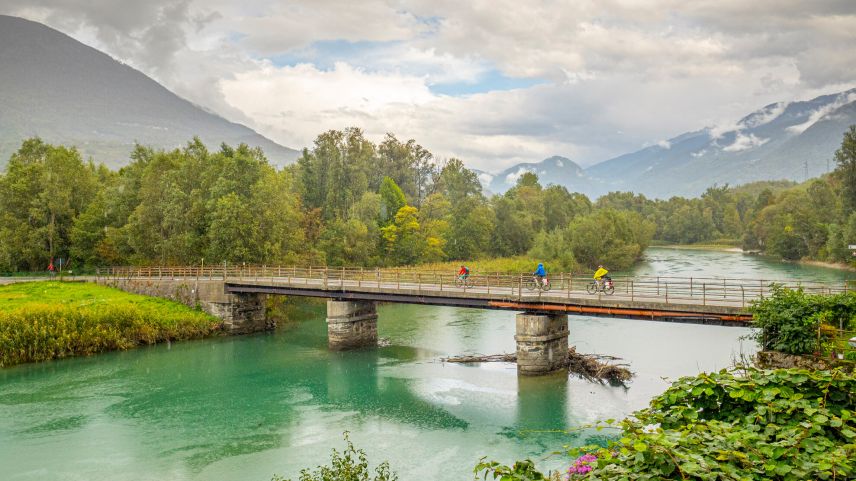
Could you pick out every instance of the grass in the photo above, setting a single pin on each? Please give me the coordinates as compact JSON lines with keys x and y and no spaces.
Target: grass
{"x":502,"y":265}
{"x":50,"y":320}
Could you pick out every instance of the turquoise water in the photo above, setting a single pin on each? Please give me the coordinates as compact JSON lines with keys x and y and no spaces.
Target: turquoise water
{"x":245,"y":408}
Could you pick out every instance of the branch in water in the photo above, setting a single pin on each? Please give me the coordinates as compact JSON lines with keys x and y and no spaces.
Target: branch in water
{"x":592,"y":367}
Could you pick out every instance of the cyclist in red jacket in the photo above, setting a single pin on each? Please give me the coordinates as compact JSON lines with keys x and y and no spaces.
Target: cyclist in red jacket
{"x":464,"y":273}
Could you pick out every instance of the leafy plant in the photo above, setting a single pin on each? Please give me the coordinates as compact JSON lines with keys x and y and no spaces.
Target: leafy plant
{"x":349,"y":465}
{"x":789,"y":320}
{"x":786,"y":424}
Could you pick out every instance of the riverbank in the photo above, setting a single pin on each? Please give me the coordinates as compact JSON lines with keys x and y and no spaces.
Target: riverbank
{"x":51,"y":320}
{"x":828,"y":265}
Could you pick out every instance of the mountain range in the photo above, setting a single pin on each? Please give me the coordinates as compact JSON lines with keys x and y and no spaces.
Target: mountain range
{"x":784,"y":140}
{"x":65,"y":92}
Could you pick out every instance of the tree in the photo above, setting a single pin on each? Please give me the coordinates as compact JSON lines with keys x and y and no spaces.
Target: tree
{"x":845,"y":157}
{"x":392,"y":199}
{"x":41,"y":194}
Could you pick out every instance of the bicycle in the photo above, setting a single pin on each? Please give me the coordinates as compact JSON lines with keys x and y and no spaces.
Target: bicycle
{"x":533,"y":283}
{"x":606,"y":287}
{"x":463,"y":282}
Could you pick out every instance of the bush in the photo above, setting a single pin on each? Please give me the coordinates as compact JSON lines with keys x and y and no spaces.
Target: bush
{"x":350,"y":465}
{"x":787,"y":424}
{"x":789,"y":320}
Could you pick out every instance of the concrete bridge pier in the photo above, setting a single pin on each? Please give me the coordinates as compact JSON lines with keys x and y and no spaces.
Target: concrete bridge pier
{"x":351,"y":324}
{"x":542,"y":342}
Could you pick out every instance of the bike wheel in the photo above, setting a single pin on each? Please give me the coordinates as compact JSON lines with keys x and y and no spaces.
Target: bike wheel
{"x":591,"y":288}
{"x":609,"y":290}
{"x":459,"y":282}
{"x":545,"y":287}
{"x":530,"y":284}
{"x":468,"y":283}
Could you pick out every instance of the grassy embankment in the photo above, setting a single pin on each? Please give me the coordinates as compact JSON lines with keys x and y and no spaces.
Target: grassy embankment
{"x":49,"y":320}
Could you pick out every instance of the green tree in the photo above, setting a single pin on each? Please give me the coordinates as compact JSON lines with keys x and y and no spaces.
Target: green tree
{"x":392,"y":200}
{"x":845,"y":157}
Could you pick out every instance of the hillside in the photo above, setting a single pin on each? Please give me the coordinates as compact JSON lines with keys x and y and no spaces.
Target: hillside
{"x":63,"y":91}
{"x":784,"y":140}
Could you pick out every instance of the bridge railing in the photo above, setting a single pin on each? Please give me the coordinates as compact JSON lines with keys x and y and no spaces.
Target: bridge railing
{"x":670,"y":290}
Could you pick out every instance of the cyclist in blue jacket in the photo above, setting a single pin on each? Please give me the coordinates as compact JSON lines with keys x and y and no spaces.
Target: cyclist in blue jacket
{"x":540,"y":274}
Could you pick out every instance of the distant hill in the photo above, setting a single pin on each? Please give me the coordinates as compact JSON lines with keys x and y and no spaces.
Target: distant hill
{"x":785,"y":140}
{"x":553,"y":170}
{"x":63,"y":91}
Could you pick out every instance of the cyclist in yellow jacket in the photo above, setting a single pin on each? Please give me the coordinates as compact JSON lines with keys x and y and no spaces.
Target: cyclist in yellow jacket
{"x":601,"y":273}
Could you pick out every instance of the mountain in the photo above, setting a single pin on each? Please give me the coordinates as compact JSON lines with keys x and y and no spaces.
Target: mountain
{"x":65,"y":92}
{"x":784,"y":140}
{"x":553,"y":170}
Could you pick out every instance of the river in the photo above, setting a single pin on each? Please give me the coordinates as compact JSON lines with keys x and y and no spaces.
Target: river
{"x":246,"y":408}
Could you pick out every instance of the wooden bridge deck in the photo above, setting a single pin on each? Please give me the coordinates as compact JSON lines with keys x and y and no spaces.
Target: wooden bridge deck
{"x":695,"y":300}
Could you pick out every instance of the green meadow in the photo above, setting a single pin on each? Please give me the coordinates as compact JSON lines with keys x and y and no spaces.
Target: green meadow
{"x":50,"y":320}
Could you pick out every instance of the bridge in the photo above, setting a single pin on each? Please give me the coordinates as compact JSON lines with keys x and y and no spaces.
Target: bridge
{"x":236,"y":295}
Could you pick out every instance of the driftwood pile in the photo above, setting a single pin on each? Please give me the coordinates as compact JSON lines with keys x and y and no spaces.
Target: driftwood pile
{"x":592,"y":367}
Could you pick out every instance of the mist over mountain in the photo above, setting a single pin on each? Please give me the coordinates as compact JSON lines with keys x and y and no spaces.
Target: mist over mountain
{"x":63,"y":91}
{"x":553,"y":170}
{"x":784,"y":140}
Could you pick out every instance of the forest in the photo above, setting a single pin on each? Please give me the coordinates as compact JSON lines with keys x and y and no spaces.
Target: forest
{"x":349,"y":201}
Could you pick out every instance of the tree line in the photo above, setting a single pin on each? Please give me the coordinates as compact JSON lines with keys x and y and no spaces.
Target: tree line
{"x":349,"y":201}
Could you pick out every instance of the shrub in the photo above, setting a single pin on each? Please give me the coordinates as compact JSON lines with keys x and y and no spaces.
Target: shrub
{"x":350,"y":465}
{"x":789,"y":320}
{"x":787,"y":424}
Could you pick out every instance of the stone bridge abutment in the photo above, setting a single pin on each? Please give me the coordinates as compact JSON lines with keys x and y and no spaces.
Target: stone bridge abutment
{"x":241,"y":313}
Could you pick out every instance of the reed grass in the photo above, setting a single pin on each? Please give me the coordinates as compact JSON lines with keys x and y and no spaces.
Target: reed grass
{"x":50,"y":320}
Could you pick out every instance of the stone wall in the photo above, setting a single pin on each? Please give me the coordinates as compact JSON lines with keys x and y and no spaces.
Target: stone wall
{"x":241,"y":313}
{"x":781,"y":360}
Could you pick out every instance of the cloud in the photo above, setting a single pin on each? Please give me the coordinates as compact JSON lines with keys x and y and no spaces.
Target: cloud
{"x":512,"y":178}
{"x":606,"y":77}
{"x":744,"y":142}
{"x":819,"y":113}
{"x":664,"y":144}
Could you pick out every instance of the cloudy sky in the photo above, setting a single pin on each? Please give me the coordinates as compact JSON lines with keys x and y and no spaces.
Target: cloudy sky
{"x":492,"y":82}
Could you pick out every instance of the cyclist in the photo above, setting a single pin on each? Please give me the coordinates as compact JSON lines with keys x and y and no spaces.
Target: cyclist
{"x":540,"y":274}
{"x":601,"y":274}
{"x":464,"y":273}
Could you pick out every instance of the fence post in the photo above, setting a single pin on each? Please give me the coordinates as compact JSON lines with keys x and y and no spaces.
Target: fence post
{"x":440,"y":276}
{"x":658,"y":285}
{"x":703,"y":294}
{"x":398,"y":279}
{"x":419,"y":282}
{"x":325,"y":278}
{"x":631,"y":291}
{"x":691,"y":286}
{"x":724,"y":290}
{"x":520,"y":288}
{"x":667,"y":292}
{"x":742,"y":296}
{"x":343,"y":278}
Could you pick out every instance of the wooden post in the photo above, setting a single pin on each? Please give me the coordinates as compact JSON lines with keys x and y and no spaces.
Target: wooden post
{"x":691,"y":286}
{"x":742,"y":296}
{"x":398,"y":280}
{"x":631,"y":290}
{"x":658,"y":285}
{"x":343,"y":278}
{"x":667,"y":292}
{"x":703,"y":294}
{"x":325,"y":278}
{"x":520,"y":288}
